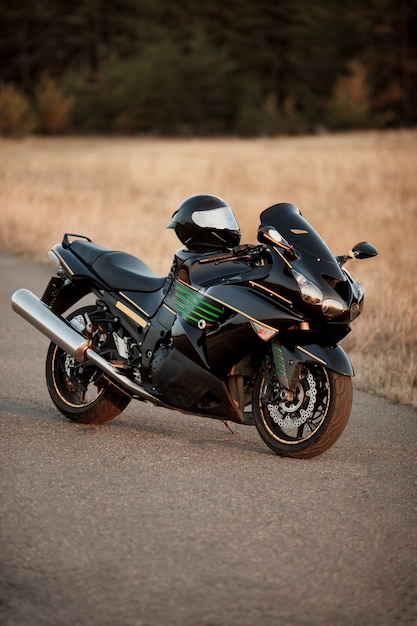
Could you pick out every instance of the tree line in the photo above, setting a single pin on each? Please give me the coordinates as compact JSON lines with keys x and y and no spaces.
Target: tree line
{"x":206,"y":67}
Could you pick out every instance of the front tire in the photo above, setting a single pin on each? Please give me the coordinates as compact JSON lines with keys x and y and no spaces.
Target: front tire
{"x":312,"y":421}
{"x":76,"y":388}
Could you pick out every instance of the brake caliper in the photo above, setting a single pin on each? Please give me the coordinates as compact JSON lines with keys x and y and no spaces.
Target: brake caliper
{"x":291,"y":414}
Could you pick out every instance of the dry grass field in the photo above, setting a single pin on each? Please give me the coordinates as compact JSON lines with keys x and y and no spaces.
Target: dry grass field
{"x":351,"y":187}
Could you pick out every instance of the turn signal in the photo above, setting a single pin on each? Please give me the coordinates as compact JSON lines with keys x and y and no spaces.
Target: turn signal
{"x":264,"y":332}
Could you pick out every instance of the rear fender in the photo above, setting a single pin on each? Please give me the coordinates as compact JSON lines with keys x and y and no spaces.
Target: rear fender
{"x":60,"y":293}
{"x":287,"y":360}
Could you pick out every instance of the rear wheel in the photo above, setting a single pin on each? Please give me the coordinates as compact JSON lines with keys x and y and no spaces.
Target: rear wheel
{"x":77,"y":389}
{"x":312,"y":420}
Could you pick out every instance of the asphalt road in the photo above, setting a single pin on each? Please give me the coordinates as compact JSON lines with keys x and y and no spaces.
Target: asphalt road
{"x":163,"y":519}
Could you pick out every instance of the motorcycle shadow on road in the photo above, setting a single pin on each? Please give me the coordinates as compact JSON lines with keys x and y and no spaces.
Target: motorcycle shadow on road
{"x":190,"y":430}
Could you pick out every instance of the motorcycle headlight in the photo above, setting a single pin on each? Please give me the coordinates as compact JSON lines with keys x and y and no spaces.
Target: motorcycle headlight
{"x":332,"y":307}
{"x":355,"y":310}
{"x":310,"y":293}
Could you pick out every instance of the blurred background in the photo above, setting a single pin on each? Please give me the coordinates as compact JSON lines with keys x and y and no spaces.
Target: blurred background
{"x":206,"y":67}
{"x":114,"y":111}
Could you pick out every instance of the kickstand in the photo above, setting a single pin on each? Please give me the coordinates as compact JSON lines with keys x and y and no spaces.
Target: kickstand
{"x":226,"y":423}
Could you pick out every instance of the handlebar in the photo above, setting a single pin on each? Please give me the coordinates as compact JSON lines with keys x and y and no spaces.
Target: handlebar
{"x":246,"y":252}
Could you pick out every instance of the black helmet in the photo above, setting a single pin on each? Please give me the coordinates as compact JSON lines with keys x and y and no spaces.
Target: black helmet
{"x":204,"y":221}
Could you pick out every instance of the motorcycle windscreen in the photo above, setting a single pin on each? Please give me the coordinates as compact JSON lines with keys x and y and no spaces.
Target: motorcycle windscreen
{"x":288,"y":221}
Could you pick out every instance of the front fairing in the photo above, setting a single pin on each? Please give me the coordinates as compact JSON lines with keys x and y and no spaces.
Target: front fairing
{"x":314,"y":255}
{"x":310,"y":256}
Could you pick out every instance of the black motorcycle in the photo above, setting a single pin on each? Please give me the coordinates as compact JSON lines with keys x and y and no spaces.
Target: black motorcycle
{"x":241,"y":333}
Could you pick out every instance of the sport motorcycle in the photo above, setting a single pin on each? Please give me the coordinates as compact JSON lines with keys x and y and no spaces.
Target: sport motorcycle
{"x":241,"y":333}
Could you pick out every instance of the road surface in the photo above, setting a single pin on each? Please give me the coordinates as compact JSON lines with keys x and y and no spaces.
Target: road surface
{"x":163,"y":519}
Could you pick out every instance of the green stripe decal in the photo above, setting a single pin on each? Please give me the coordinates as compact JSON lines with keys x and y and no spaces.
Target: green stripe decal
{"x":278,"y":359}
{"x":194,"y":307}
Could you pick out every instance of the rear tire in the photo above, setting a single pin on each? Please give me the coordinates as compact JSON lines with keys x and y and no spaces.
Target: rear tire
{"x":315,"y":418}
{"x":76,"y":389}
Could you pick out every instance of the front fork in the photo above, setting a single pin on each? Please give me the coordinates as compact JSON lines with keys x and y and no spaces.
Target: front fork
{"x":288,"y":362}
{"x":287,"y":370}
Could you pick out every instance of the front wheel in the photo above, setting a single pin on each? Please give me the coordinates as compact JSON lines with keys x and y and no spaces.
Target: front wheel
{"x":76,"y":388}
{"x":308,"y":423}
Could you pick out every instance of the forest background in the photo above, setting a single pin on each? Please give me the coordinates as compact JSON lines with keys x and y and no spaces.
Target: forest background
{"x":206,"y":67}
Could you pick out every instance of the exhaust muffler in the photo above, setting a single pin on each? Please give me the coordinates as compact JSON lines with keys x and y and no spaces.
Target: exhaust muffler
{"x":60,"y":332}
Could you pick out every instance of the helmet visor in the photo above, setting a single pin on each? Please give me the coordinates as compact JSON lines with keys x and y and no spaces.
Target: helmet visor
{"x":220,"y":218}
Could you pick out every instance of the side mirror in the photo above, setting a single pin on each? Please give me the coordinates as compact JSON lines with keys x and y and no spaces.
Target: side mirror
{"x":362,"y":250}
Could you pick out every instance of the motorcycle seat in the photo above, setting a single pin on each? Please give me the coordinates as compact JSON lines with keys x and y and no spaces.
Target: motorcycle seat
{"x":120,"y":270}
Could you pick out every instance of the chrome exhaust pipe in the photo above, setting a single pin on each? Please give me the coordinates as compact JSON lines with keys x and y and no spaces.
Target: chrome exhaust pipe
{"x":60,"y":332}
{"x":34,"y":311}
